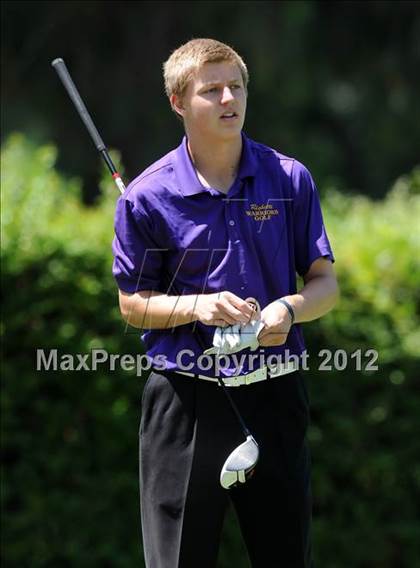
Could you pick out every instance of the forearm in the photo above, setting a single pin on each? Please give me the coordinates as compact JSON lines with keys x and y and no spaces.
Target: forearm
{"x":154,"y":310}
{"x":318,"y":296}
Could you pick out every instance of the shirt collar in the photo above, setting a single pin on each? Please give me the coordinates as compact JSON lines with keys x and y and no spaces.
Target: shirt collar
{"x":187,"y":176}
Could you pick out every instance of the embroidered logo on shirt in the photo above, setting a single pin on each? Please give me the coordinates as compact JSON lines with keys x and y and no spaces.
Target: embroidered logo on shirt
{"x":262,"y":212}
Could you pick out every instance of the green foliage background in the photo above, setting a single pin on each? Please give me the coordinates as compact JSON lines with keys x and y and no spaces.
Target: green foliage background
{"x":69,"y":494}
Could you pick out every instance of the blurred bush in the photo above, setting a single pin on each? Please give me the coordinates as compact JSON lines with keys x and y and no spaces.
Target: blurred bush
{"x":70,"y":492}
{"x":365,"y":425}
{"x":69,"y":440}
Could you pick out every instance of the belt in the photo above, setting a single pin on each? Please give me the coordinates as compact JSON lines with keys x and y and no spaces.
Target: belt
{"x":256,"y":376}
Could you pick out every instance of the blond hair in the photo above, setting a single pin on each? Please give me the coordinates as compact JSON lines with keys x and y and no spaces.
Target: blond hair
{"x":190,"y":57}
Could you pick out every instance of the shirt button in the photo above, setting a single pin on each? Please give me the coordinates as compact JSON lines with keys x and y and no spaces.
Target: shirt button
{"x":242,"y":287}
{"x":231,"y":223}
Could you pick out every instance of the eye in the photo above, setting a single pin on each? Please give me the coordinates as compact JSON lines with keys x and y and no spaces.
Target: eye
{"x":211,"y":90}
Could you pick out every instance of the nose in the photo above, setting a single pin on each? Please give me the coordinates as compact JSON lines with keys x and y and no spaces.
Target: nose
{"x":227,"y":95}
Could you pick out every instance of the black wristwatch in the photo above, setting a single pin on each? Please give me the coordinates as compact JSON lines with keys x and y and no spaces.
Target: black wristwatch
{"x":289,"y":309}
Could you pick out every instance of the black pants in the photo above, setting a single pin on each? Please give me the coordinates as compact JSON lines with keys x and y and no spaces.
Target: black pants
{"x":187,"y":430}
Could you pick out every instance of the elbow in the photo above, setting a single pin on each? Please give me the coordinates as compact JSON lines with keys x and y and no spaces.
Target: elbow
{"x":331,"y":295}
{"x":335,"y":293}
{"x":130,"y":309}
{"x":125,"y":313}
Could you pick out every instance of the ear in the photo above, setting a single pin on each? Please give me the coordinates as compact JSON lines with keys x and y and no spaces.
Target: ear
{"x":177,"y":105}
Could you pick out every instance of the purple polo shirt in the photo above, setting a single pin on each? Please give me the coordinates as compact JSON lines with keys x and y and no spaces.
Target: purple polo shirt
{"x":175,"y":236}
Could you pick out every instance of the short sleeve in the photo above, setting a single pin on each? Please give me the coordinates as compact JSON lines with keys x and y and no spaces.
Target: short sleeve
{"x":310,"y":236}
{"x":137,"y":257}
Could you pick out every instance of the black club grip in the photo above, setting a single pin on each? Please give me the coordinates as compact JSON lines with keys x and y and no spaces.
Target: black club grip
{"x":70,"y":87}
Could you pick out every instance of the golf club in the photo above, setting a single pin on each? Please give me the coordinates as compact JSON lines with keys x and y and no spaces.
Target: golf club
{"x":240,"y":464}
{"x":61,"y":69}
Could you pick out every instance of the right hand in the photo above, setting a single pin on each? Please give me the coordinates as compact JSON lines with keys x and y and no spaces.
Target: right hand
{"x":222,"y":309}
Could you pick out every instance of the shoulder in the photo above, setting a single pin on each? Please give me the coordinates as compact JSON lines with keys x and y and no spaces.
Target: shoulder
{"x":153,"y":184}
{"x":272,"y":158}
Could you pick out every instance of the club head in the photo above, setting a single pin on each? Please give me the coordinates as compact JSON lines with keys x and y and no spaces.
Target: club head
{"x":239,"y":464}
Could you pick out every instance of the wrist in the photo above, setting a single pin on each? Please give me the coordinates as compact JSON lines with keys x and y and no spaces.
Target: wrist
{"x":190,"y":308}
{"x":289,"y":308}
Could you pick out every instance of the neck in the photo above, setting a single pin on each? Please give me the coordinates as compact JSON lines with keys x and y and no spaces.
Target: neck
{"x":217,"y":162}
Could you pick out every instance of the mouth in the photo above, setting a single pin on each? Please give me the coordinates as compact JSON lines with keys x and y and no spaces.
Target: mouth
{"x":229,"y":116}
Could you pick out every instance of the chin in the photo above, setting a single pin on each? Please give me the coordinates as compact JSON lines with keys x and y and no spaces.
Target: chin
{"x":222,"y":134}
{"x":229,"y":133}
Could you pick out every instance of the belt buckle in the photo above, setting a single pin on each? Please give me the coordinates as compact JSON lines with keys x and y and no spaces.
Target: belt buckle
{"x":238,"y":381}
{"x":256,"y":376}
{"x":235,"y":381}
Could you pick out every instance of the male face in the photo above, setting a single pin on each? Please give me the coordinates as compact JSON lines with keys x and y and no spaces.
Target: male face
{"x":214,"y":102}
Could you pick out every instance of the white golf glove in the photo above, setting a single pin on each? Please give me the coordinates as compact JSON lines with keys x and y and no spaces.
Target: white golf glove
{"x":234,"y":338}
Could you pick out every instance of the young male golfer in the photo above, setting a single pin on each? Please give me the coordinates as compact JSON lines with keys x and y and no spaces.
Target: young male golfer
{"x":215,"y":222}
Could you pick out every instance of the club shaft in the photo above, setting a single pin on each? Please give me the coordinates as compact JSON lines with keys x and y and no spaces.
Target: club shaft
{"x":62,"y":71}
{"x":234,"y":408}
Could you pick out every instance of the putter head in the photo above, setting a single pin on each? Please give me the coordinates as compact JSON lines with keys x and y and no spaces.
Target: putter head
{"x":239,"y":464}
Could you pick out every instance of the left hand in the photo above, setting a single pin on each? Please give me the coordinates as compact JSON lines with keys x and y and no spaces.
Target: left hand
{"x":277,"y":324}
